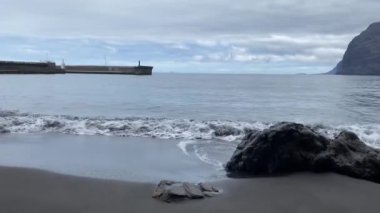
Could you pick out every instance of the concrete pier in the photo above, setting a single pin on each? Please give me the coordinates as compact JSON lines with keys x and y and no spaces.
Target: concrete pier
{"x":13,"y":67}
{"x":125,"y":70}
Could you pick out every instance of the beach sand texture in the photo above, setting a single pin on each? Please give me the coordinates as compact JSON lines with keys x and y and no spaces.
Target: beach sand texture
{"x":34,"y":191}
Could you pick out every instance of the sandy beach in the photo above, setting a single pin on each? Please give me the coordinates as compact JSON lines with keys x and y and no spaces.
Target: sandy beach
{"x":126,"y":106}
{"x":135,"y":159}
{"x":27,"y":190}
{"x":68,"y":173}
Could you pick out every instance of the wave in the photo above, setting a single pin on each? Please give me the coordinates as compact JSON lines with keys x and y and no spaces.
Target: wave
{"x":211,"y":142}
{"x":185,"y":129}
{"x":14,"y":122}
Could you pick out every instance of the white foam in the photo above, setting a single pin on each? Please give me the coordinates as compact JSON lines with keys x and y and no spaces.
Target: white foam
{"x":185,"y":129}
{"x":141,"y":127}
{"x":367,"y":133}
{"x":205,"y":158}
{"x":184,"y":144}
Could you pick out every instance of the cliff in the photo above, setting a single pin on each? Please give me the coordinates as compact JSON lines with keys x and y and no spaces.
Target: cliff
{"x":362,"y":56}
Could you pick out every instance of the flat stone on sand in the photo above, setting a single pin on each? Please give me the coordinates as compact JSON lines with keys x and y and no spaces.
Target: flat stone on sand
{"x":169,"y":191}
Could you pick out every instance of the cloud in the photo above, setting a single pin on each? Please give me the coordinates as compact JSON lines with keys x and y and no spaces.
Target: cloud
{"x":243,"y":32}
{"x":168,"y":19}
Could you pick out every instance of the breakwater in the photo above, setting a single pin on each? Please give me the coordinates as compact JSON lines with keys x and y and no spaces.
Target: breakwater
{"x":127,"y":70}
{"x":13,"y":67}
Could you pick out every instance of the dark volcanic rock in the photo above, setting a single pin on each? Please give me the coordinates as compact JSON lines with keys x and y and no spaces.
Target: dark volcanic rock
{"x":348,"y":155}
{"x":363,"y":54}
{"x":52,"y":124}
{"x":285,"y":147}
{"x":291,"y":147}
{"x":224,"y":130}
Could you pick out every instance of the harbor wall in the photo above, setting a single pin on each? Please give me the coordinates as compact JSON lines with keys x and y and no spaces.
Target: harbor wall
{"x":11,"y":67}
{"x":131,"y":70}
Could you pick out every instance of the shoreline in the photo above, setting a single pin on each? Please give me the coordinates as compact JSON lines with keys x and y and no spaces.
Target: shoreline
{"x":118,"y":158}
{"x":31,"y":190}
{"x":55,"y":172}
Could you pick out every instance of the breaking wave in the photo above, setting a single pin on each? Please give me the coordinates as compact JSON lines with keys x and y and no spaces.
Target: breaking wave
{"x":184,"y":129}
{"x":14,"y":122}
{"x":211,"y":141}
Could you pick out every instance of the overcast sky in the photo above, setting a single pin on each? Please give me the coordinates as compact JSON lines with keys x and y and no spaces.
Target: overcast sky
{"x":209,"y":36}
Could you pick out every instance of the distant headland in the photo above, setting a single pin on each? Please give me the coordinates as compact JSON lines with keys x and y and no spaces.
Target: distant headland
{"x":19,"y":67}
{"x":362,"y":56}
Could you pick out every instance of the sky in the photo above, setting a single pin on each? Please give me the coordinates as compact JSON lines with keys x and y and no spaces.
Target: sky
{"x":186,"y":36}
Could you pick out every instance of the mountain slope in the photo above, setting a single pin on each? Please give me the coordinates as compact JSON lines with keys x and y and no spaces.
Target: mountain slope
{"x":362,"y":56}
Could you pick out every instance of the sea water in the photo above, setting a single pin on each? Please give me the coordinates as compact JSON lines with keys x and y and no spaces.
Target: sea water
{"x":205,"y":114}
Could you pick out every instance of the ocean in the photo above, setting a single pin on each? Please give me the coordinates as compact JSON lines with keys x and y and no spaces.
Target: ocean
{"x":202,"y":115}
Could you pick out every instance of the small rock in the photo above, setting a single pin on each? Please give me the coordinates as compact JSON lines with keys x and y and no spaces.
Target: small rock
{"x":209,"y":194}
{"x":193,"y":191}
{"x":206,"y":187}
{"x":169,"y":191}
{"x":177,"y":190}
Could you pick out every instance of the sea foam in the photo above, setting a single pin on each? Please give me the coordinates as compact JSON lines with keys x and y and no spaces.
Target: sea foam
{"x":165,"y":128}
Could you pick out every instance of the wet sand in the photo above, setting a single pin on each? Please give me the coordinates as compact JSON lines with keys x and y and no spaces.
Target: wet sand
{"x":135,"y":159}
{"x":27,"y":190}
{"x":127,"y":170}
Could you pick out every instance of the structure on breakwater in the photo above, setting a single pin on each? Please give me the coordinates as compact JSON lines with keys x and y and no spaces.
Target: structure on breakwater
{"x":14,"y":67}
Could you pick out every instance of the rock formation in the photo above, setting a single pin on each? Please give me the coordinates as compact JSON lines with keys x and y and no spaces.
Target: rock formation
{"x":362,"y":56}
{"x":290,"y":147}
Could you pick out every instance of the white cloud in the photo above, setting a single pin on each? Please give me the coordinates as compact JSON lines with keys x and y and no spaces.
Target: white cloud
{"x":167,"y":19}
{"x":198,"y":57}
{"x":206,"y":43}
{"x":179,"y":46}
{"x":111,"y":49}
{"x":300,"y":32}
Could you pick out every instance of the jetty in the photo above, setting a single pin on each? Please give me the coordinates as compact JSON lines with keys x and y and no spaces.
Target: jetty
{"x":20,"y":67}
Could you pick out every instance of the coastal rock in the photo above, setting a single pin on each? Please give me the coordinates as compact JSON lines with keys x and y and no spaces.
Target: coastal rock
{"x":224,"y":130}
{"x":285,"y":147}
{"x":348,"y":155}
{"x":362,"y":56}
{"x":290,"y":147}
{"x":52,"y":124}
{"x":170,"y":191}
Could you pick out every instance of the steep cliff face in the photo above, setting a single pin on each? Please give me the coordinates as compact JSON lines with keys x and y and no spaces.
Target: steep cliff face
{"x":362,"y":56}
